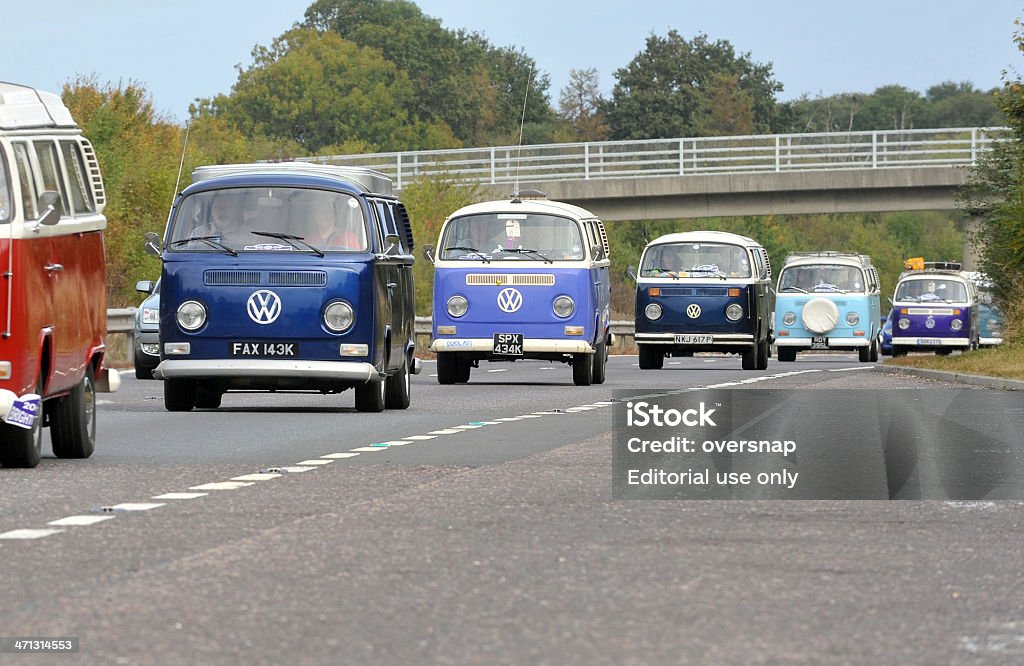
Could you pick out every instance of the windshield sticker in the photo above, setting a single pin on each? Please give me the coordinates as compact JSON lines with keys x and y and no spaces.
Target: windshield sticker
{"x":704,"y":269}
{"x":24,"y":411}
{"x":268,"y":247}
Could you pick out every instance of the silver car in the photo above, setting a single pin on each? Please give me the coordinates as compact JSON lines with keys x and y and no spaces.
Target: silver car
{"x":147,"y":330}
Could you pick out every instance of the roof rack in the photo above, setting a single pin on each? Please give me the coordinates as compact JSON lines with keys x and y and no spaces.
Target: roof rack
{"x":919,"y":264}
{"x":371,"y":181}
{"x":864,"y":259}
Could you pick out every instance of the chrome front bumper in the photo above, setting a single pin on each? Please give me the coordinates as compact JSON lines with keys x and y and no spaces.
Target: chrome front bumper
{"x":352,"y":372}
{"x":529,"y":345}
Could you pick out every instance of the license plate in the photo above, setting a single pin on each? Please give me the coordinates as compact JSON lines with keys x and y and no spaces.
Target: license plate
{"x":819,"y":342}
{"x":928,"y":341}
{"x":684,"y":339}
{"x":508,"y":344}
{"x":264,"y":349}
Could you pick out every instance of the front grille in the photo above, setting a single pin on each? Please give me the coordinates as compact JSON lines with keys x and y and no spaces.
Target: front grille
{"x":297,"y":279}
{"x":231,"y":278}
{"x":694,"y":291}
{"x":509,"y":279}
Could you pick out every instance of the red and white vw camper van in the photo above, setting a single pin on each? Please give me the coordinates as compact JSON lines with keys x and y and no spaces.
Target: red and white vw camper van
{"x":53,"y":316}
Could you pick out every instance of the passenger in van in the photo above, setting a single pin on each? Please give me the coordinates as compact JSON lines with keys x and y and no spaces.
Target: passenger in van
{"x":226,"y":221}
{"x":327,"y":230}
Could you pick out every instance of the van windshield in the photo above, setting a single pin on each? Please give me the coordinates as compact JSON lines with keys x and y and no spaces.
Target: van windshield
{"x":266,"y":219}
{"x":818,"y":278}
{"x":512,"y":237}
{"x":6,"y":209}
{"x":925,"y":290}
{"x":695,"y":260}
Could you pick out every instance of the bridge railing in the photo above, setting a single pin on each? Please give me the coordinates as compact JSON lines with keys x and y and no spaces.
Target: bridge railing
{"x":685,"y":156}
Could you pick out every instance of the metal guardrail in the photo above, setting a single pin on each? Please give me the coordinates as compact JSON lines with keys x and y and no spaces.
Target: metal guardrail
{"x":684,"y":156}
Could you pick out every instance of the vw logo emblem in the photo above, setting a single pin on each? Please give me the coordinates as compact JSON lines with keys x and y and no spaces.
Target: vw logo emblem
{"x":264,"y":306}
{"x":510,"y":300}
{"x":692,"y":310}
{"x":929,"y":322}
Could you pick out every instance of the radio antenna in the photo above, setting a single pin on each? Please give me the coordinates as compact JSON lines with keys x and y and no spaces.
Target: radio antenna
{"x":522,"y":122}
{"x":181,"y":164}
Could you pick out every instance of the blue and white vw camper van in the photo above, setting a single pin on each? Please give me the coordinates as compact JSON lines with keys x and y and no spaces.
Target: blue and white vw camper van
{"x":521,"y":278}
{"x":286,"y":277}
{"x":828,"y":300}
{"x":704,"y":291}
{"x":935,"y":309}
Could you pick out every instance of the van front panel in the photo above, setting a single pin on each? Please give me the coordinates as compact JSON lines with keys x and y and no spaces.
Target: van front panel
{"x":696,"y":308}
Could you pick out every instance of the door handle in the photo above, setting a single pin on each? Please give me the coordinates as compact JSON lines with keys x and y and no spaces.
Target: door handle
{"x":53,"y":268}
{"x":392,"y":285}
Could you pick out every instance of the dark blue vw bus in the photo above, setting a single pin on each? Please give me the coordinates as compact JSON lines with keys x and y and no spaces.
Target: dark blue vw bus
{"x":286,"y":277}
{"x":704,"y":291}
{"x":521,"y":278}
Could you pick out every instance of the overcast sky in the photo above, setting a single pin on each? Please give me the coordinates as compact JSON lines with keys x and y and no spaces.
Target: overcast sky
{"x":186,"y":49}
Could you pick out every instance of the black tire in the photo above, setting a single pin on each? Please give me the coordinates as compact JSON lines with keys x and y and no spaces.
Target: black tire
{"x":143,"y":368}
{"x":600,"y":363}
{"x":943,"y":352}
{"x":179,"y":395}
{"x":762,"y":354}
{"x":462,"y":371}
{"x":876,"y":348}
{"x":582,"y":369}
{"x":398,"y":388}
{"x":898,"y":352}
{"x":864,"y":354}
{"x":20,"y":447}
{"x":651,"y":358}
{"x":208,"y":396}
{"x":786,"y":354}
{"x":73,"y":421}
{"x":370,"y":396}
{"x":749,"y":356}
{"x":447,"y":368}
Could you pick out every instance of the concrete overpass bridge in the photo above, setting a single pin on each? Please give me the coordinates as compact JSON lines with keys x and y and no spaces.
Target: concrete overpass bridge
{"x":716,"y":176}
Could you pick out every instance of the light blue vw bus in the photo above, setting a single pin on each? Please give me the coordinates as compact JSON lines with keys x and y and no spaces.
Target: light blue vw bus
{"x":521,"y":278}
{"x":828,"y":300}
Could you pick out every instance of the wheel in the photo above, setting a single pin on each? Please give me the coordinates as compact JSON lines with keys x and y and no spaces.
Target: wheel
{"x":600,"y":363}
{"x":749,"y":356}
{"x":179,"y":395}
{"x":21,"y":447}
{"x":582,"y":369}
{"x":786,"y":354}
{"x":651,"y":358}
{"x":447,"y":368}
{"x":943,"y":352}
{"x":898,"y":351}
{"x":462,"y":371}
{"x":875,"y":349}
{"x":73,"y":421}
{"x":208,"y":396}
{"x":370,"y":396}
{"x":864,"y":354}
{"x":397,"y":388}
{"x":762,"y":354}
{"x":143,"y":369}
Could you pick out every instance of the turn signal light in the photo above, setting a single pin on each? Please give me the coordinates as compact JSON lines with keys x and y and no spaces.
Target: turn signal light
{"x":654,"y":291}
{"x":734,"y":292}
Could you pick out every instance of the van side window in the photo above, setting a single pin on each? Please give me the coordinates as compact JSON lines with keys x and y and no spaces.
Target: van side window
{"x":759,"y":267}
{"x":388,"y":223}
{"x":81,"y":195}
{"x":29,"y":196}
{"x":5,"y":190}
{"x":404,"y":225}
{"x":49,"y":167}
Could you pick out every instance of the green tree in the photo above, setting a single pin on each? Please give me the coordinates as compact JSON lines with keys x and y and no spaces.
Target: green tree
{"x":961,"y":105}
{"x":579,"y":104}
{"x":665,"y":90}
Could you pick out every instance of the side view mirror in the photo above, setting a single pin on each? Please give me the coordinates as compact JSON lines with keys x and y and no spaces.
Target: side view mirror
{"x":144,"y":286}
{"x":595,"y":251}
{"x":428,"y":252}
{"x":631,"y":272}
{"x":392,"y":241}
{"x":890,"y":302}
{"x":153,"y":244}
{"x":52,"y":207}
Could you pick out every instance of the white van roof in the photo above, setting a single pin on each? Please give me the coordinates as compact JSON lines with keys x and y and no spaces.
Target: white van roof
{"x":706,"y":237}
{"x":22,"y":107}
{"x":539,"y":206}
{"x":373,"y":182}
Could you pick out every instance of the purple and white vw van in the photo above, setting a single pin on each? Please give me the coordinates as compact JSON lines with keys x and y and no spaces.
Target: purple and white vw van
{"x":935,"y":309}
{"x":521,"y":278}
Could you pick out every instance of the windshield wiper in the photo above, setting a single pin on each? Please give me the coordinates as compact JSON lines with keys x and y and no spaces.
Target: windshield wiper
{"x":212,"y":241}
{"x":663,"y":271}
{"x":288,"y":238}
{"x":483,"y":257}
{"x":795,"y":288}
{"x":519,"y":250}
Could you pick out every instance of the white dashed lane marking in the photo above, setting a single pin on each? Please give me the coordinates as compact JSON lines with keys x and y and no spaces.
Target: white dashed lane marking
{"x":261,"y":476}
{"x":136,"y":506}
{"x":370,"y":449}
{"x":314,"y":463}
{"x":28,"y":534}
{"x":340,"y":456}
{"x":222,"y":485}
{"x":180,"y":496}
{"x":79,"y":520}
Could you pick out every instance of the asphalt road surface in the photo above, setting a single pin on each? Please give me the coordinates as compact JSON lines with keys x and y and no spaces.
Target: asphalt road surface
{"x":479,"y":527}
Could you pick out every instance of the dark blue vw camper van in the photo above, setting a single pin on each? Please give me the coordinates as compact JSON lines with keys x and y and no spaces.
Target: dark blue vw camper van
{"x":704,"y":291}
{"x":521,"y":278}
{"x":286,"y":277}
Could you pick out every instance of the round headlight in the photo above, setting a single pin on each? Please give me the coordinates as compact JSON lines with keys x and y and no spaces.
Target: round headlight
{"x":789,"y":318}
{"x":457,"y":306}
{"x":191,"y":315}
{"x":338,"y":316}
{"x":734,"y":311}
{"x":852,"y":318}
{"x":563,"y":306}
{"x":653,"y":311}
{"x":956,"y":324}
{"x":904,"y":323}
